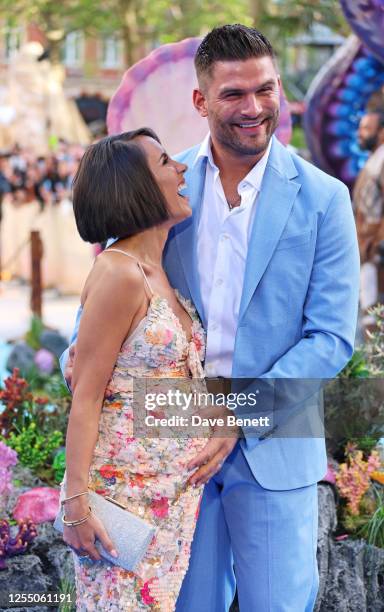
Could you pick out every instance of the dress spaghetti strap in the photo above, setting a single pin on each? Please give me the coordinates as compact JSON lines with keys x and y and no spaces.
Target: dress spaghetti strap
{"x":138,"y":263}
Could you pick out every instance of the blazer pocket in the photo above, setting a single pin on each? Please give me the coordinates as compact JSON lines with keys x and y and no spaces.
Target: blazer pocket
{"x":294,"y":241}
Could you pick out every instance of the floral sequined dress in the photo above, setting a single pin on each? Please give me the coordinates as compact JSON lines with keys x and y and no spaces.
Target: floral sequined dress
{"x":148,"y":475}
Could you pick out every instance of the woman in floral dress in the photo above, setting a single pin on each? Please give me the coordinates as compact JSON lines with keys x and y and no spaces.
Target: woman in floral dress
{"x":133,"y":326}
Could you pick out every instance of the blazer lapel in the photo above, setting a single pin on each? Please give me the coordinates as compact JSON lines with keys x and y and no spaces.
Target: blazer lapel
{"x":274,"y":204}
{"x":186,"y":233}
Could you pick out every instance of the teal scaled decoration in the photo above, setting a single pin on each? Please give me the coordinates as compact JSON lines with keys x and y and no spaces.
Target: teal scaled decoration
{"x":18,"y":544}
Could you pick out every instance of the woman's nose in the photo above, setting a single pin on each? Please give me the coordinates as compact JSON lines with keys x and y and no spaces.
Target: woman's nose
{"x":181,"y":168}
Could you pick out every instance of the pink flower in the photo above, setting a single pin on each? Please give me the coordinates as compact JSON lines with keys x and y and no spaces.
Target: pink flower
{"x":168,"y":336}
{"x":109,"y":471}
{"x":145,"y":594}
{"x":198,"y":510}
{"x":8,"y":457}
{"x":198,"y":340}
{"x":45,"y":361}
{"x":159,"y":507}
{"x":353,"y":477}
{"x":330,"y":475}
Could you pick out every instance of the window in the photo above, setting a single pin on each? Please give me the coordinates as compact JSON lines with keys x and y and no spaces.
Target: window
{"x":111,"y":52}
{"x":73,"y":51}
{"x":12,"y":41}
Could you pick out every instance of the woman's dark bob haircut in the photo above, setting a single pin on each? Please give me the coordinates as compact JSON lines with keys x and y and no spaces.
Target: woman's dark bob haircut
{"x":115,"y":194}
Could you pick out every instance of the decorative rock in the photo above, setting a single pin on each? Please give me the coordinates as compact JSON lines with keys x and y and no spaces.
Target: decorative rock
{"x":351,"y":571}
{"x":61,"y":559}
{"x":24,"y":478}
{"x":24,"y":574}
{"x":56,"y":555}
{"x":327,"y":525}
{"x":22,"y":356}
{"x":40,"y":504}
{"x":53,"y":342}
{"x":355,"y":578}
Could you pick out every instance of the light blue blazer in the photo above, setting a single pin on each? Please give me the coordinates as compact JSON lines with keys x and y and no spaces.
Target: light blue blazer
{"x":299,"y":304}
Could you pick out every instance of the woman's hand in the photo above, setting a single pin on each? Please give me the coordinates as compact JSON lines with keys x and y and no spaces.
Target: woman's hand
{"x":82,"y":538}
{"x":217,"y":449}
{"x":69,"y":365}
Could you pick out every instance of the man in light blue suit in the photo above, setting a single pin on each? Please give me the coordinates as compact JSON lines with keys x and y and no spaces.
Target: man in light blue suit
{"x":294,"y":317}
{"x":270,"y":260}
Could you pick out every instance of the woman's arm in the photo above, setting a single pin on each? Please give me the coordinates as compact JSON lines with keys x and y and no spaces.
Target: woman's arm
{"x":112,"y":300}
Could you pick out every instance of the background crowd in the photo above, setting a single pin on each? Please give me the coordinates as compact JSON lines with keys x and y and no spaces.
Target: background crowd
{"x":27,"y":178}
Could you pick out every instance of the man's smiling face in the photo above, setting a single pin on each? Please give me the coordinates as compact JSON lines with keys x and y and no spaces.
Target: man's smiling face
{"x":241,"y":100}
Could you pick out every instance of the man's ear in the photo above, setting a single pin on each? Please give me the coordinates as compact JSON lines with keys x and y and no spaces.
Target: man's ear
{"x":200,"y":102}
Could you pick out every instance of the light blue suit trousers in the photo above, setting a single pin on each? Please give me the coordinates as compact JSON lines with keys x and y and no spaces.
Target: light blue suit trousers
{"x":269,"y":537}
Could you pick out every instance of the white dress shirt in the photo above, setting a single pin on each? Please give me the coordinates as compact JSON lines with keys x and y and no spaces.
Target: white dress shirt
{"x":222,"y":246}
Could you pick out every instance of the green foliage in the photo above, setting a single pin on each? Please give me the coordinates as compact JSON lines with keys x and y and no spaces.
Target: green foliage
{"x":369,"y":522}
{"x":52,"y":16}
{"x":354,"y":410}
{"x":51,"y":385}
{"x":373,"y":530}
{"x":298,"y":138}
{"x":34,"y":449}
{"x":32,"y":337}
{"x":374,"y":347}
{"x":146,"y":23}
{"x":67,"y":587}
{"x":33,"y":427}
{"x":353,"y":413}
{"x":21,"y":407}
{"x":357,"y":366}
{"x":58,"y":465}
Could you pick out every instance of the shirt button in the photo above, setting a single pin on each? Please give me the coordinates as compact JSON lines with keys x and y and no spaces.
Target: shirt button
{"x":214,"y":326}
{"x":224,"y":237}
{"x":219,"y":282}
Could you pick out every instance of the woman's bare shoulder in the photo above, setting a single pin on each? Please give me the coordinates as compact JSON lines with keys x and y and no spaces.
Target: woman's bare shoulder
{"x":115,"y":275}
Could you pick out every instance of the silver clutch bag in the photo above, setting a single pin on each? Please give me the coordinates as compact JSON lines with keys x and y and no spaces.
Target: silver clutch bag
{"x":130,"y":534}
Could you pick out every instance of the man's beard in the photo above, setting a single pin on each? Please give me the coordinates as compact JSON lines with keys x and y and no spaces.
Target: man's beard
{"x":227,"y":136}
{"x":369,"y":144}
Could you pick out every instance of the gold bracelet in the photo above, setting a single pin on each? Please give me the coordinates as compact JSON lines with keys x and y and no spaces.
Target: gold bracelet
{"x":77,"y":521}
{"x":74,"y":497}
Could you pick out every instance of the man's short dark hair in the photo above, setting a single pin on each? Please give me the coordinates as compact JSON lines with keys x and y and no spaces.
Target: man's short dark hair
{"x":230,"y":43}
{"x":114,"y":191}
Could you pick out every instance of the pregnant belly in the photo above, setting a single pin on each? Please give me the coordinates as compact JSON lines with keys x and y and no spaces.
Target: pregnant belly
{"x":116,"y":445}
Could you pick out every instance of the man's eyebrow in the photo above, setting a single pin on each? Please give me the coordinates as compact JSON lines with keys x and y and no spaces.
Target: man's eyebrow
{"x":237,"y":90}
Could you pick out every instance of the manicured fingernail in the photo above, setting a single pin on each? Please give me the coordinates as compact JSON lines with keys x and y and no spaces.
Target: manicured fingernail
{"x":114,"y":553}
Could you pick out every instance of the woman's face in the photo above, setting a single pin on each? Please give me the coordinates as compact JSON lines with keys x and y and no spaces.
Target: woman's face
{"x":169,"y":175}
